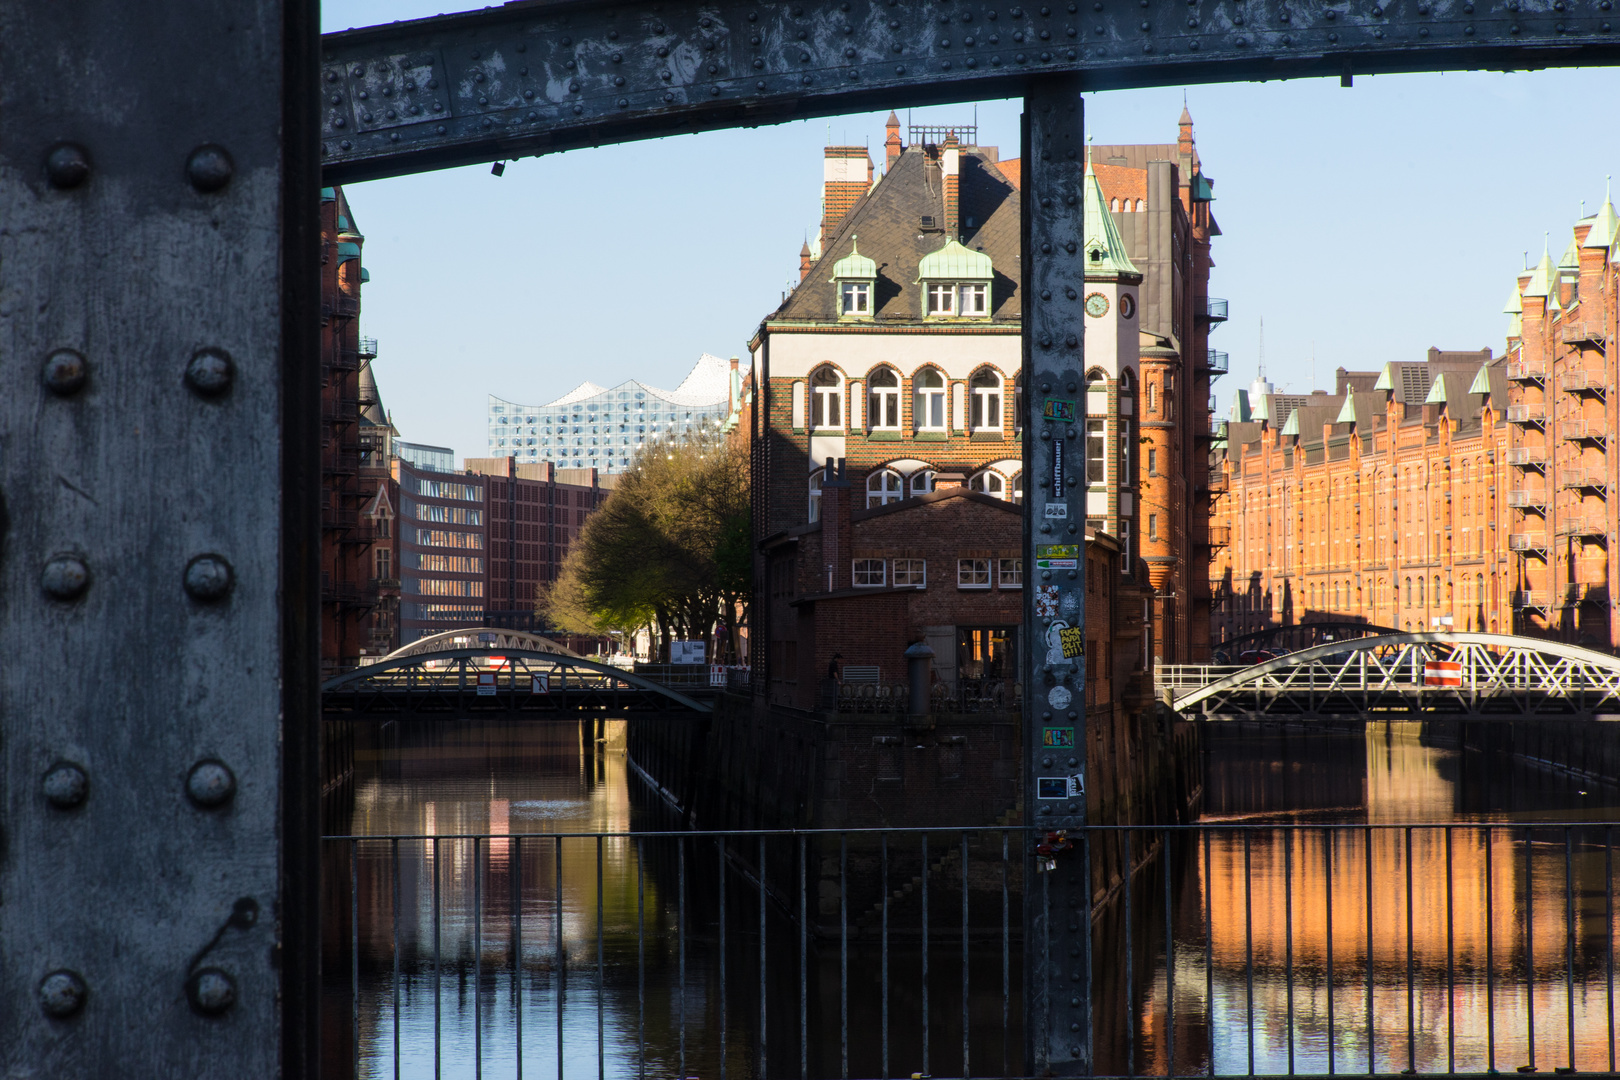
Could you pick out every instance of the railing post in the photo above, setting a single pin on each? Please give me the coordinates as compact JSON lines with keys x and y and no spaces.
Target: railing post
{"x":1057,"y":993}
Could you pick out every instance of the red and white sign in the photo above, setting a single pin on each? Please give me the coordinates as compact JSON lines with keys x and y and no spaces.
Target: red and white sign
{"x":486,"y":684}
{"x":1442,"y":673}
{"x":717,"y":674}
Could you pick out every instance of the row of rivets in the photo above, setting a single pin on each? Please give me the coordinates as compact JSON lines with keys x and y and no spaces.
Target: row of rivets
{"x":210,"y":784}
{"x":209,"y":168}
{"x":208,"y":578}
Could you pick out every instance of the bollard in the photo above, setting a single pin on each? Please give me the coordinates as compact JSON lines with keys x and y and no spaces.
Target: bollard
{"x":918,"y":657}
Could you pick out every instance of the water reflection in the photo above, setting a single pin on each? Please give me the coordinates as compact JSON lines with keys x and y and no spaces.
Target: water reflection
{"x":1371,"y":947}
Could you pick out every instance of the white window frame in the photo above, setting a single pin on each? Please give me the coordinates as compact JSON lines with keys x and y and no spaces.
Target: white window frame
{"x":860,"y":292}
{"x":929,"y":400}
{"x":919,"y":566}
{"x":816,"y":479}
{"x":973,"y":299}
{"x":884,"y":406}
{"x":921,"y":482}
{"x":824,"y":398}
{"x":858,"y":567}
{"x":1096,"y":440}
{"x":883,"y":496}
{"x":981,"y":481}
{"x":941,"y":299}
{"x":1010,"y":573}
{"x":968,"y":571}
{"x":981,"y":398}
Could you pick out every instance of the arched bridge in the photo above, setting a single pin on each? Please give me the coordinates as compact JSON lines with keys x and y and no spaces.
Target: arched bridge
{"x":492,"y":682}
{"x":1460,"y":674}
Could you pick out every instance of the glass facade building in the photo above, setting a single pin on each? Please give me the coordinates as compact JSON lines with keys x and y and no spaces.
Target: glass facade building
{"x":595,"y":426}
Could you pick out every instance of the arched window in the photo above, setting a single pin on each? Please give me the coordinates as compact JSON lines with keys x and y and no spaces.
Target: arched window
{"x":883,"y":409}
{"x":1408,"y":592}
{"x":827,"y":406}
{"x":1018,"y":403}
{"x":922,"y":481}
{"x":1017,"y":485}
{"x":1479,"y":589}
{"x":986,"y":409}
{"x":1114,"y":205}
{"x":815,"y":494}
{"x":928,"y":400}
{"x":1420,"y":590}
{"x":884,"y":487}
{"x":989,"y":482}
{"x":1138,"y":206}
{"x":1436,"y":593}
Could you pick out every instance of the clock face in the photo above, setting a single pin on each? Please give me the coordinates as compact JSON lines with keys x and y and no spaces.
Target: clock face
{"x":1127,"y":305}
{"x":1096,"y":305}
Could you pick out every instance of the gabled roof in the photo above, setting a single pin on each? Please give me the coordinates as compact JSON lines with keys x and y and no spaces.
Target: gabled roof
{"x":1540,"y":283}
{"x":1604,"y":225}
{"x":1514,"y":305}
{"x":889,"y":221}
{"x":1572,"y":257}
{"x":1482,"y":381}
{"x":1105,"y":248}
{"x":1360,"y":408}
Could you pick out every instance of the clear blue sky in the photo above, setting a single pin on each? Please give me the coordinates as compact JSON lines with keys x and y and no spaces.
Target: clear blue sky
{"x":1365,"y":223}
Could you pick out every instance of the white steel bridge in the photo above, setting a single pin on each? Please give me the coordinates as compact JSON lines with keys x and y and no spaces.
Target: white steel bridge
{"x":1460,"y":674}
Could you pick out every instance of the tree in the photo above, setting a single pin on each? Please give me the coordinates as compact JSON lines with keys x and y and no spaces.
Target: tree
{"x":669,"y":547}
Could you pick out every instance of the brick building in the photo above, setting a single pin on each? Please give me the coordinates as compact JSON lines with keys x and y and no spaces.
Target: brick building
{"x":894,"y":368}
{"x":442,"y":543}
{"x":1462,"y":491}
{"x":349,"y":594}
{"x":535,"y":512}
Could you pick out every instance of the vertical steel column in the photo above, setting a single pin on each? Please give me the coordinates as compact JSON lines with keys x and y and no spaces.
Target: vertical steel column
{"x":1057,"y":993}
{"x":158,"y":472}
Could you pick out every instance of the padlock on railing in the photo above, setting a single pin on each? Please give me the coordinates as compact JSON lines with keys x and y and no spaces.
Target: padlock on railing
{"x":1050,"y":846}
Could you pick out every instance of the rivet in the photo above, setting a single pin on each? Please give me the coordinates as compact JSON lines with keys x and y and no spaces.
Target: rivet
{"x":208,"y":578}
{"x":67,"y":165}
{"x":65,"y":372}
{"x":65,"y":785}
{"x":624,"y":103}
{"x":211,"y":991}
{"x":760,"y":85}
{"x":210,"y":784}
{"x":65,"y":578}
{"x":62,"y":993}
{"x":1071,"y":341}
{"x":346,"y":144}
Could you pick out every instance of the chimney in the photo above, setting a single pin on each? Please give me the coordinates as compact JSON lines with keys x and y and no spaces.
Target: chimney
{"x":892,"y":145}
{"x":804,"y":260}
{"x":846,"y":175}
{"x":835,"y":528}
{"x":950,"y":166}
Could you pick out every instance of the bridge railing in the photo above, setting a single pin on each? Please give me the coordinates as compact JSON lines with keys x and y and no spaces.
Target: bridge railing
{"x":1212,"y":950}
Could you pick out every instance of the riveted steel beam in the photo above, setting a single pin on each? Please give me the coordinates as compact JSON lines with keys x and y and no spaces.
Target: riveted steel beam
{"x":158,"y":408}
{"x":531,"y":78}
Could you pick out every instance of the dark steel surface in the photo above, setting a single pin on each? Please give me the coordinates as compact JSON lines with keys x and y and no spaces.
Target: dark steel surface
{"x":158,"y":186}
{"x":1057,"y":1008}
{"x":533,"y":78}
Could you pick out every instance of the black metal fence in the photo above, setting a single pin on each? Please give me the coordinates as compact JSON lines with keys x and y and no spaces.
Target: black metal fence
{"x":1216,"y":950}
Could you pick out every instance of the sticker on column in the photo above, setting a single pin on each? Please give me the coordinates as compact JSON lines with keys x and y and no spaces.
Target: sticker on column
{"x":1059,"y":698}
{"x":1057,"y":465}
{"x":1056,"y":510}
{"x":1077,"y":786}
{"x":1068,"y":604}
{"x":1046,"y":601}
{"x":1072,"y":640}
{"x":1052,"y":409}
{"x":1057,"y":737}
{"x":1057,"y":556}
{"x":1052,"y":787}
{"x":1054,"y":642}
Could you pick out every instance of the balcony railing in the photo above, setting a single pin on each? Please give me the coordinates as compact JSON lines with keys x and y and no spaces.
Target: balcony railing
{"x":1530,"y":457}
{"x":1583,"y":430}
{"x":1580,"y":334}
{"x":1582,"y":526}
{"x":368,"y":348}
{"x":1526,"y":370}
{"x":1220,"y":535}
{"x":1527,"y":542}
{"x":1525,"y":500}
{"x":1526,"y":414}
{"x":1527,"y":599}
{"x":1583,"y":478}
{"x":1585,"y":382}
{"x":1216,"y":361}
{"x":1215,"y":309}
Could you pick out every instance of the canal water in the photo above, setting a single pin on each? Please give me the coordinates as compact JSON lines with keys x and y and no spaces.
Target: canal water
{"x":646,"y":961}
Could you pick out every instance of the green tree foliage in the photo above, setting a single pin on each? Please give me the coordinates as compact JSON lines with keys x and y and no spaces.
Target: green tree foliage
{"x":669,"y":547}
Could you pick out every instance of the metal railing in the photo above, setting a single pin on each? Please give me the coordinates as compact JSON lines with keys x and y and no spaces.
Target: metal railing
{"x":1527,"y":456}
{"x":1525,"y":598}
{"x":1216,"y":361}
{"x":1527,"y":542}
{"x":1215,"y":309}
{"x":1580,"y":382}
{"x":1583,"y":478}
{"x":1581,"y":430}
{"x":1523,"y":500}
{"x":1582,"y":526}
{"x":1526,"y":414}
{"x":1526,"y":370}
{"x":368,"y":348}
{"x":1212,"y":950}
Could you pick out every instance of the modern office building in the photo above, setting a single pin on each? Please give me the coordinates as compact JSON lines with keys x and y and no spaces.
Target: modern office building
{"x":595,"y":427}
{"x":442,"y":545}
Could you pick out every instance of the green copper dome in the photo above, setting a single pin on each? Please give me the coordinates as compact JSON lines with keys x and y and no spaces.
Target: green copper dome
{"x":953,"y":262}
{"x":854,"y":265}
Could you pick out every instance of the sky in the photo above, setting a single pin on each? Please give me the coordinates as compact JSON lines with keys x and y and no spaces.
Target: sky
{"x":1362,"y":224}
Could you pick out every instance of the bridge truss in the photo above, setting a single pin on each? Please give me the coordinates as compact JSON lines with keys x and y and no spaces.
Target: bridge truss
{"x":1465,"y":675}
{"x":159,"y":186}
{"x":496,"y":683}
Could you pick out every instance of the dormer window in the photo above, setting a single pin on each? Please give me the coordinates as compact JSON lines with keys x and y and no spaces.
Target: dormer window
{"x":956,"y":283}
{"x":855,"y":277}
